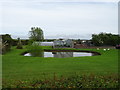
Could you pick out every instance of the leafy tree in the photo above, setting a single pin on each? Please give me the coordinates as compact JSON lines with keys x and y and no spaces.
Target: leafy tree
{"x":105,"y":39}
{"x":96,"y":40}
{"x":36,"y":34}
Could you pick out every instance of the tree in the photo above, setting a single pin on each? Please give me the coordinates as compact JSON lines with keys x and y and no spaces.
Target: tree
{"x":96,"y":40}
{"x":6,"y":41}
{"x":79,"y":41}
{"x":7,"y":38}
{"x":19,"y":44}
{"x":105,"y":39}
{"x":36,"y":34}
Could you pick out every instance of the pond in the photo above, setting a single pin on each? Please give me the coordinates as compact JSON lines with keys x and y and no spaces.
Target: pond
{"x":62,"y":54}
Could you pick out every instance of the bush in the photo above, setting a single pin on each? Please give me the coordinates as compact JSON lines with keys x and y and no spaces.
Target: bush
{"x":19,"y":44}
{"x":35,"y":50}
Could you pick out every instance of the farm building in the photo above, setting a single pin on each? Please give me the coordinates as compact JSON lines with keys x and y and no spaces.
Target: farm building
{"x":63,"y":43}
{"x":68,"y":43}
{"x":44,"y":43}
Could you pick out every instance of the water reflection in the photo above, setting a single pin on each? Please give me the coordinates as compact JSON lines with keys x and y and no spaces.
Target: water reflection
{"x":61,"y":54}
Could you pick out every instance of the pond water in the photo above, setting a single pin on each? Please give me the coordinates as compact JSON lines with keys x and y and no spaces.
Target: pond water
{"x":62,"y":54}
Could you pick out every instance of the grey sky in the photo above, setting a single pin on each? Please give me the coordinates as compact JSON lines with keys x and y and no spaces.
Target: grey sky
{"x":67,"y":19}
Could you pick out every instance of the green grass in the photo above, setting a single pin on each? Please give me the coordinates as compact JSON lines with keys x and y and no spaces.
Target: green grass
{"x":17,"y":67}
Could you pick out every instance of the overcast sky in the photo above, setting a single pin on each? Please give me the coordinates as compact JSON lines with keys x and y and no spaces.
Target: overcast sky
{"x":59,"y":18}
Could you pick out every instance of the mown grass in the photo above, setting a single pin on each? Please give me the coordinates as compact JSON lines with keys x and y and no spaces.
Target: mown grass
{"x":20,"y":68}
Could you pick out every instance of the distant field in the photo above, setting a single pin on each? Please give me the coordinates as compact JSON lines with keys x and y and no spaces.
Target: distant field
{"x":17,"y":67}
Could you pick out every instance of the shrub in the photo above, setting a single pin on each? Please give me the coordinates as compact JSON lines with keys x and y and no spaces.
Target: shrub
{"x":19,"y":44}
{"x":35,"y":50}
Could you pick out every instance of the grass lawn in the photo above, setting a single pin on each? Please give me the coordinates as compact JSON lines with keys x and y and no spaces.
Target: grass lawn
{"x":17,"y":67}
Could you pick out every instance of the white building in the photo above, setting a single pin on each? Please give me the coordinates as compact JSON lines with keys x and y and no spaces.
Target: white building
{"x":47,"y":44}
{"x":63,"y":43}
{"x":44,"y":43}
{"x":67,"y":43}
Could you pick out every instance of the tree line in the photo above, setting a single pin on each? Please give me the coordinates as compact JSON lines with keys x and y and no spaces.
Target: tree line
{"x":105,"y":39}
{"x":36,"y":34}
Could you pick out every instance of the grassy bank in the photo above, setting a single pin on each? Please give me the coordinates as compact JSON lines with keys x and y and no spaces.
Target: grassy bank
{"x":20,"y":68}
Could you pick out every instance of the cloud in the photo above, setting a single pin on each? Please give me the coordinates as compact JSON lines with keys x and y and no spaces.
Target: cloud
{"x":59,"y":18}
{"x":60,"y":0}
